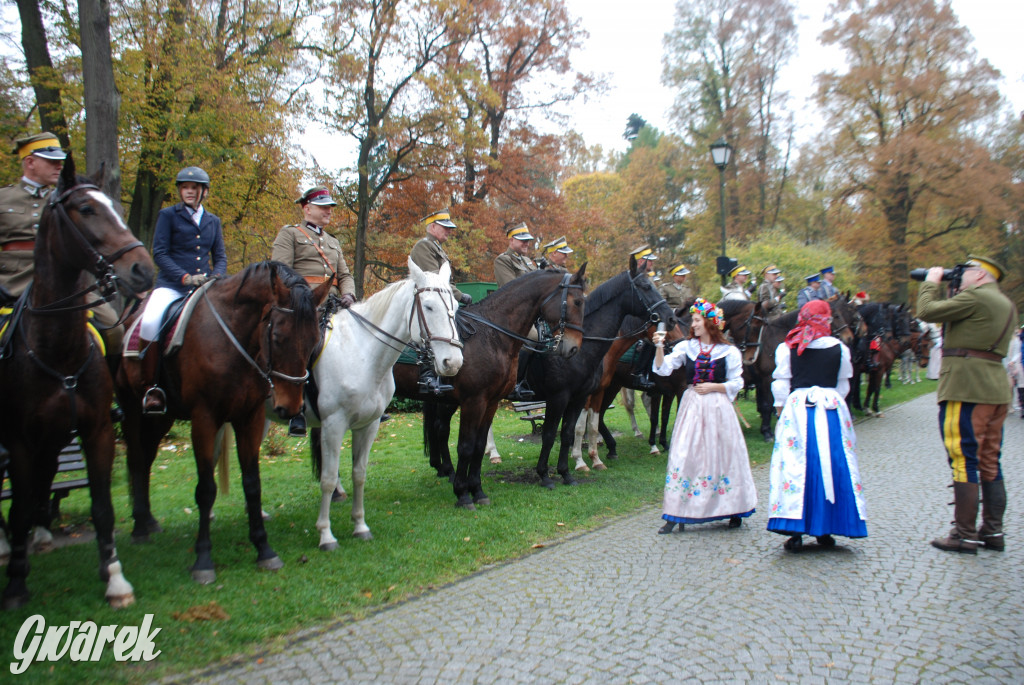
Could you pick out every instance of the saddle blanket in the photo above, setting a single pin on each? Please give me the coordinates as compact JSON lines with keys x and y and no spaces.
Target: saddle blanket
{"x":177,"y":314}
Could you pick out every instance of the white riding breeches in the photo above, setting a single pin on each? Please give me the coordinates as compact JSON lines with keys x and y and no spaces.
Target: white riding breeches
{"x":156,"y":305}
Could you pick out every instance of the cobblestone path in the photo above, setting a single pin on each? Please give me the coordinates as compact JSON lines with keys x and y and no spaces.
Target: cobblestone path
{"x":624,"y":605}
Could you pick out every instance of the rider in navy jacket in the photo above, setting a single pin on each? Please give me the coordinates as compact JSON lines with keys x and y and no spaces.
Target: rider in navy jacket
{"x":181,"y":248}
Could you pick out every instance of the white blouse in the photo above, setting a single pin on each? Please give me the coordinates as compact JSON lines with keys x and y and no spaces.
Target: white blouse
{"x":784,"y":372}
{"x":691,"y":349}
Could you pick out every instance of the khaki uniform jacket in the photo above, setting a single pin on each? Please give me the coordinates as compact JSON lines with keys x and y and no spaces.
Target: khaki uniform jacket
{"x":510,"y":265}
{"x":676,"y":295}
{"x":428,"y":255}
{"x":19,"y":220}
{"x":769,"y":296}
{"x":297,"y":247}
{"x":973,"y":320}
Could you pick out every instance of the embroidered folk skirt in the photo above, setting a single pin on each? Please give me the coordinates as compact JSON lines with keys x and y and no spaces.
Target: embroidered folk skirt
{"x":708,"y":474}
{"x":821,"y":517}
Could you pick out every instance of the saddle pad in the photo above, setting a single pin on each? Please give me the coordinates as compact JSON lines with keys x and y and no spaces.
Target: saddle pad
{"x":5,"y":319}
{"x":176,"y":337}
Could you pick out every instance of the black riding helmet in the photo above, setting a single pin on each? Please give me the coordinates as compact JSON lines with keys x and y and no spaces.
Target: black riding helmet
{"x":193,"y":174}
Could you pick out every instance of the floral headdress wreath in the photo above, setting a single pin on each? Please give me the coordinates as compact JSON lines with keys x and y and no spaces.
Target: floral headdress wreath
{"x":709,"y":311}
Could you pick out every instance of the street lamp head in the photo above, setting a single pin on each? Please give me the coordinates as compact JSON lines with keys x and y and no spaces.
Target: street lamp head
{"x":721,"y":153}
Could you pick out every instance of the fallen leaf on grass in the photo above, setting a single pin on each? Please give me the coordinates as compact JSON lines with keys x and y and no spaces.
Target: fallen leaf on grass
{"x":536,"y":546}
{"x":559,"y":524}
{"x":201,"y":612}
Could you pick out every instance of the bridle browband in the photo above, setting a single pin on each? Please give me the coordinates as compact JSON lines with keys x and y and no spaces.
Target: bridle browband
{"x":106,"y":279}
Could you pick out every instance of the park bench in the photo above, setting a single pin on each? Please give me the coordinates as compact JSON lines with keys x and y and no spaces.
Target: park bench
{"x":71,"y":459}
{"x":534,"y":413}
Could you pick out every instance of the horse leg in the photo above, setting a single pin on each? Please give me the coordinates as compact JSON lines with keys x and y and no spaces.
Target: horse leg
{"x":552,"y":418}
{"x":577,"y":441}
{"x":491,"y":449}
{"x":766,"y":408}
{"x":594,"y":419}
{"x":5,"y":545}
{"x":19,"y":521}
{"x":629,"y":402}
{"x":204,"y":429}
{"x":362,"y":441}
{"x":465,"y":450}
{"x":142,"y":438}
{"x":248,"y":436}
{"x":666,"y":410}
{"x":652,"y":437}
{"x":332,"y":430}
{"x":442,"y":434}
{"x":569,"y":420}
{"x":99,"y":460}
{"x":474,"y":430}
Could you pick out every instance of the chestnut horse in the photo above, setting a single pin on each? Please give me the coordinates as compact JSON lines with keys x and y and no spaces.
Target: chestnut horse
{"x":493,"y":332}
{"x":250,"y":337}
{"x":54,"y":381}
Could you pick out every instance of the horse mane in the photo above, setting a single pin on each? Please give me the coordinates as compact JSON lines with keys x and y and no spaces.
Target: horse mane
{"x":375,"y":306}
{"x":301,"y":295}
{"x":632,"y":323}
{"x":732,"y":306}
{"x":603,"y":293}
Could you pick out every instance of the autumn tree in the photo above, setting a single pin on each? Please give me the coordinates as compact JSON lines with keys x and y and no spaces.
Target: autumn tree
{"x":45,"y":80}
{"x":913,"y":183}
{"x":102,"y":101}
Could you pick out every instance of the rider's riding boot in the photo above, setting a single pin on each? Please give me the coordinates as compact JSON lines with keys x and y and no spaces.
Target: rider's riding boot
{"x":522,"y":392}
{"x":993,"y":505}
{"x":642,"y":368}
{"x":297,"y":424}
{"x":963,"y":537}
{"x":643,"y":381}
{"x":154,"y":401}
{"x":430,"y":383}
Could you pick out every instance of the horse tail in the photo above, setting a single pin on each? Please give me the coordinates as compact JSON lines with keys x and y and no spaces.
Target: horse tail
{"x":315,"y":452}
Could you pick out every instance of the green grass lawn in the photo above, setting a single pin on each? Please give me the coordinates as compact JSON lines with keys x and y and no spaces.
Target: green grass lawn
{"x":421,"y":541}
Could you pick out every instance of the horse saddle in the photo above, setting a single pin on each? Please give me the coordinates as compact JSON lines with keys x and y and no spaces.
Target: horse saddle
{"x":10,"y":317}
{"x":172,"y":326}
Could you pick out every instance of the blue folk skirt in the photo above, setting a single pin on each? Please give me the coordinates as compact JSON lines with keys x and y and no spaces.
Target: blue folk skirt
{"x":822,"y":517}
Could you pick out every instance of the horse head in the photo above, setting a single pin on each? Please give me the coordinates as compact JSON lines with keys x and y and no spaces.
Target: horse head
{"x":289,"y":332}
{"x":80,"y":226}
{"x":744,"y":321}
{"x":433,"y":318}
{"x":657,"y":308}
{"x":563,"y":311}
{"x":845,"y":320}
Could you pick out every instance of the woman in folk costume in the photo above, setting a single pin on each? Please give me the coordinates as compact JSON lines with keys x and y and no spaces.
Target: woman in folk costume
{"x":708,"y":469}
{"x":815,"y":486}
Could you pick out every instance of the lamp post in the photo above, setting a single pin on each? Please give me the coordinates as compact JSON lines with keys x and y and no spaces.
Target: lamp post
{"x":721,"y":153}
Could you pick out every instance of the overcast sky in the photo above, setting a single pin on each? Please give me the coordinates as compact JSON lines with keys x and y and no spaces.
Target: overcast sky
{"x":626,"y":44}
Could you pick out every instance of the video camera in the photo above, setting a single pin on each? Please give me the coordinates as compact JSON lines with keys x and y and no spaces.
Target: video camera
{"x":952,"y":275}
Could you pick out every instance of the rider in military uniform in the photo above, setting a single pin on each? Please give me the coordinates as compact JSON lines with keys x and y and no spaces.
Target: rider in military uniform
{"x":555,"y":254}
{"x":315,"y":255}
{"x":828,"y":275}
{"x":645,"y":258}
{"x":812,"y":291}
{"x":428,"y":255}
{"x":770,"y":293}
{"x":514,"y":261}
{"x":974,"y":396}
{"x":21,"y":205}
{"x":737,"y":288}
{"x":677,"y":293}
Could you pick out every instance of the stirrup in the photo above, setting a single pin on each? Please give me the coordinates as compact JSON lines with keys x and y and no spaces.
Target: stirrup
{"x":521,"y":392}
{"x":297,"y":426}
{"x":154,"y":402}
{"x":431,"y":384}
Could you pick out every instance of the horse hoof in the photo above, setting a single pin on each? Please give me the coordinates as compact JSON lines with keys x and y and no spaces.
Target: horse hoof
{"x":483,"y":501}
{"x":121,"y":601}
{"x":465,"y":502}
{"x":612,"y":455}
{"x":637,"y":434}
{"x":328,"y":546}
{"x":142,"y":539}
{"x":547,"y":483}
{"x":655,"y":450}
{"x":495,"y":460}
{"x":583,"y":467}
{"x":600,"y":467}
{"x":364,"y":535}
{"x":15,"y":602}
{"x":154,"y":527}
{"x":570,"y":481}
{"x":274,"y":563}
{"x":204,"y":576}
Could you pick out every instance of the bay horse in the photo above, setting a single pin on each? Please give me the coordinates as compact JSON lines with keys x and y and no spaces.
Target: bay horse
{"x":494,"y":331}
{"x":54,"y":382}
{"x":249,"y":338}
{"x":567,"y":383}
{"x":353,"y":374}
{"x":894,"y":324}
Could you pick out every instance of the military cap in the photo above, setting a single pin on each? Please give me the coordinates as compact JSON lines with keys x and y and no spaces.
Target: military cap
{"x":827,"y":270}
{"x":317,"y":195}
{"x":520,"y":232}
{"x":643,"y":252}
{"x":678,"y":270}
{"x":442,"y":217}
{"x":770,"y":269}
{"x":43,"y":145}
{"x":990,"y":265}
{"x":558,"y":245}
{"x":813,"y":278}
{"x":739,"y":271}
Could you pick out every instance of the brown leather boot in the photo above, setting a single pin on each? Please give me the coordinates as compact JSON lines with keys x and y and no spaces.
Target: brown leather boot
{"x":963,"y":537}
{"x":154,"y":401}
{"x":993,"y":504}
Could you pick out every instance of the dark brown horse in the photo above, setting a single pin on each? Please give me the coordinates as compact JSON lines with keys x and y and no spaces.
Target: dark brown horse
{"x":567,"y":383}
{"x":54,"y":382}
{"x":892,"y":327}
{"x":493,"y":331}
{"x":250,"y":338}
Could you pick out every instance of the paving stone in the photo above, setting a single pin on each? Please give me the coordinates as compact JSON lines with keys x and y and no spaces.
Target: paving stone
{"x":888,"y":608}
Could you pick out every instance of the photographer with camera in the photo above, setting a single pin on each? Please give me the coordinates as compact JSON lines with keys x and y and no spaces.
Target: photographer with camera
{"x":974,"y":394}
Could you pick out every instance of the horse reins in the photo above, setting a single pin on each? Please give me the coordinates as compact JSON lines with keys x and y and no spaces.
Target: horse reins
{"x":652,"y":316}
{"x":417,"y":310}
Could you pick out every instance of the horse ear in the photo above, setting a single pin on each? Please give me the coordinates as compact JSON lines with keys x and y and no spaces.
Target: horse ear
{"x":579,"y":277}
{"x":321,"y":292}
{"x":100,"y":177}
{"x":415,"y":272}
{"x":632,"y":265}
{"x":445,"y":272}
{"x":67,"y":173}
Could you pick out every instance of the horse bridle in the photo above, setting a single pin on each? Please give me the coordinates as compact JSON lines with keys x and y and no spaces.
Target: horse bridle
{"x":653,"y":317}
{"x":270,"y":374}
{"x":417,"y":310}
{"x":106,"y":279}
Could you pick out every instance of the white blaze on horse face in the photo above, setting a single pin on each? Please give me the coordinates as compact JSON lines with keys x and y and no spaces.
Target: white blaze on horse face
{"x":99,"y":197}
{"x":437,"y":303}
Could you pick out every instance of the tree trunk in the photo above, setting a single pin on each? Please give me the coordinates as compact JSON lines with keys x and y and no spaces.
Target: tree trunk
{"x":102,"y":101}
{"x":40,"y":68}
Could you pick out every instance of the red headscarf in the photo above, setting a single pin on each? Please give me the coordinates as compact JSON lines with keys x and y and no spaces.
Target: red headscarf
{"x":815,"y":321}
